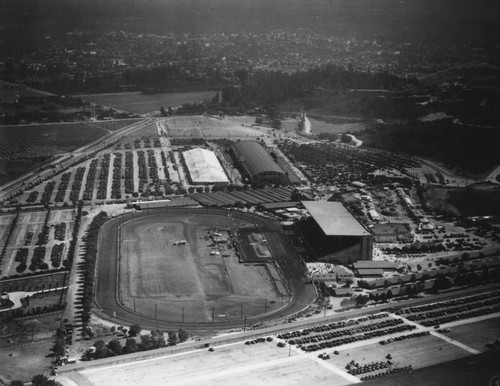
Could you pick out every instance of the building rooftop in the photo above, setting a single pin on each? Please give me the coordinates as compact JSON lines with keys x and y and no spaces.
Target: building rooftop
{"x":371,"y":272}
{"x":255,"y":158}
{"x":334,"y":219}
{"x":204,"y":166}
{"x":371,"y":264}
{"x":390,"y":228}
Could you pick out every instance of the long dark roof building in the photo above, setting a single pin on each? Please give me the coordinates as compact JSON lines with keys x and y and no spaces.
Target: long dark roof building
{"x":333,"y":235}
{"x":256,"y":163}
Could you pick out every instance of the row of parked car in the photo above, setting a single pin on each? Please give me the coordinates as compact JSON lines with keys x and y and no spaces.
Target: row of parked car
{"x":356,"y":338}
{"x":452,"y":310}
{"x":394,"y":370}
{"x":332,"y":326}
{"x":357,"y":369}
{"x":448,"y":303}
{"x":404,"y":337}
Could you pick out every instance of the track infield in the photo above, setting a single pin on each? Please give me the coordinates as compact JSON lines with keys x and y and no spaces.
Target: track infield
{"x":159,"y":281}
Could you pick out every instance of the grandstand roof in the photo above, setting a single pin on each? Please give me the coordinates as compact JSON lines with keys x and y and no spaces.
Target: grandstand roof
{"x":204,"y":167}
{"x":255,"y":158}
{"x":334,"y":219}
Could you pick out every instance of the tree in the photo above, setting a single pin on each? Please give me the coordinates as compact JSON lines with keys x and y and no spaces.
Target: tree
{"x":362,"y":300}
{"x":59,"y":347}
{"x":101,"y":350}
{"x":173,"y":339}
{"x":135,"y":330}
{"x":146,"y":342}
{"x":16,"y":383}
{"x":115,"y":346}
{"x":130,"y":346}
{"x":39,"y":380}
{"x":158,"y":339}
{"x":51,"y":382}
{"x":183,"y":335}
{"x":409,"y":291}
{"x":389,"y":295}
{"x":163,"y":111}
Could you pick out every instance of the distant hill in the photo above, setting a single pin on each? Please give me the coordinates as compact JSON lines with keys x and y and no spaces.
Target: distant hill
{"x":199,"y":16}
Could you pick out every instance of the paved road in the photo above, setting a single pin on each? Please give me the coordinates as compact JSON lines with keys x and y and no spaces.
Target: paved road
{"x":106,"y":291}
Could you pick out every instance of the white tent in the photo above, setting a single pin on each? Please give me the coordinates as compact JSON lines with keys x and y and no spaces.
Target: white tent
{"x":204,"y":167}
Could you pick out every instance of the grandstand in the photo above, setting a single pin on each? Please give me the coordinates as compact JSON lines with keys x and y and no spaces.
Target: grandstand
{"x":334,"y":235}
{"x":204,"y":168}
{"x":256,"y":164}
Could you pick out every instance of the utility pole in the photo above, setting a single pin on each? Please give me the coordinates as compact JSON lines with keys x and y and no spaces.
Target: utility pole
{"x":245,"y":324}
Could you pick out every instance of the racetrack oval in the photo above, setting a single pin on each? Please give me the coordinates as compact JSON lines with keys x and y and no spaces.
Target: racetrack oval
{"x":146,"y":276}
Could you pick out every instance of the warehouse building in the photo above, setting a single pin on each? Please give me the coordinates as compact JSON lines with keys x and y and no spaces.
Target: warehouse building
{"x":256,"y":164}
{"x":204,"y":168}
{"x":334,"y":235}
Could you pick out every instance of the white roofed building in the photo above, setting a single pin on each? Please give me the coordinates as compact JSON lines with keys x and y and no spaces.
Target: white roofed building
{"x":204,"y":168}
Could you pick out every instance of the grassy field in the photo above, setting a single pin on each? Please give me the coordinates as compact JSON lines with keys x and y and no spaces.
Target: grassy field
{"x":477,"y":334}
{"x":186,"y":281}
{"x":418,"y":352}
{"x":145,"y":103}
{"x":472,"y":370}
{"x":208,"y":127}
{"x":318,"y":126}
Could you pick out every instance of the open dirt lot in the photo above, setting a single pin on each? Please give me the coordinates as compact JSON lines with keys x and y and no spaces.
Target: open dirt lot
{"x":260,"y":364}
{"x":185,"y":282}
{"x":24,"y":361}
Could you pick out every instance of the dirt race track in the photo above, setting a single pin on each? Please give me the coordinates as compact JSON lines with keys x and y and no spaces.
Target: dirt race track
{"x":161,"y":285}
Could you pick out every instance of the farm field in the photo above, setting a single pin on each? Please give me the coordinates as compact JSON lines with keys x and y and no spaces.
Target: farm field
{"x":477,"y":334}
{"x":145,"y":103}
{"x":66,"y":136}
{"x":11,"y":91}
{"x":24,"y":148}
{"x":262,"y":364}
{"x":185,"y":282}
